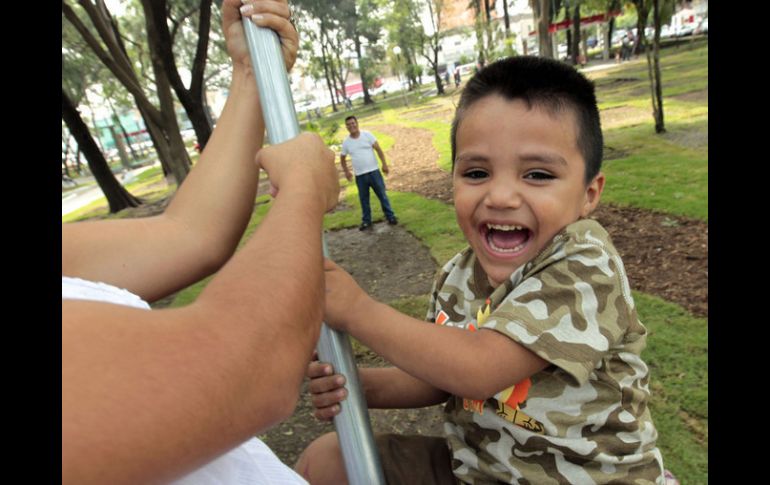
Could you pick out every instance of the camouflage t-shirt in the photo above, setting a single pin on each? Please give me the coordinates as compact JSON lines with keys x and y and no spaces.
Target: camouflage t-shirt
{"x":584,"y":418}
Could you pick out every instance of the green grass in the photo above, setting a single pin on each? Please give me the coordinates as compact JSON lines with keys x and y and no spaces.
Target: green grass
{"x":682,"y":71}
{"x":148,"y":186}
{"x":658,"y":174}
{"x":677,"y":354}
{"x":414,"y":306}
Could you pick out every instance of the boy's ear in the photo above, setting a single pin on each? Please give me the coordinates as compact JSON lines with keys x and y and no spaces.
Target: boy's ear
{"x":593,"y":194}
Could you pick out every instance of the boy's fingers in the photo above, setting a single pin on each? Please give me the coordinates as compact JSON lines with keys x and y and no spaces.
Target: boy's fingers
{"x":320,"y":385}
{"x":317,"y":369}
{"x":328,"y":399}
{"x":327,"y":414}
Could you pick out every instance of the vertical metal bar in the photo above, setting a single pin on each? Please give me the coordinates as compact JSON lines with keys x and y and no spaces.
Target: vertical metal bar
{"x":362,"y":462}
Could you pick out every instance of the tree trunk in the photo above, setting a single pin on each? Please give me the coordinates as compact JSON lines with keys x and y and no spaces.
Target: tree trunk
{"x":362,"y":70}
{"x":325,"y":63}
{"x":653,"y":70}
{"x":543,"y":15}
{"x":439,"y":84}
{"x":118,"y":197}
{"x":605,"y":35}
{"x":660,"y":126}
{"x":339,"y":76}
{"x":488,"y":28}
{"x":478,"y":28}
{"x":642,"y":12}
{"x":610,"y":28}
{"x":179,"y":159}
{"x":411,"y":74}
{"x":576,"y":34}
{"x":507,"y":20}
{"x":568,"y":33}
{"x":161,"y":42}
{"x":78,"y":165}
{"x":66,"y":154}
{"x":124,"y":134}
{"x":117,"y":61}
{"x":121,"y":148}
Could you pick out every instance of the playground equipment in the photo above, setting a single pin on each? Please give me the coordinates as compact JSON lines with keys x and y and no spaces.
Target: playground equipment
{"x":362,"y":462}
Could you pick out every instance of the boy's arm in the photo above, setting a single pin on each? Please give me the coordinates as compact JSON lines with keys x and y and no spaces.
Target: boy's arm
{"x":473,"y":365}
{"x":392,"y":388}
{"x":383,"y":388}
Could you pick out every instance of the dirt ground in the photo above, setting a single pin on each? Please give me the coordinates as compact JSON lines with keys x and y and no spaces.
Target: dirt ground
{"x":664,"y":255}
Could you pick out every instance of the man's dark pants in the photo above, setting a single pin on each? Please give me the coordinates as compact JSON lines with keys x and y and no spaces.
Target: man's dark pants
{"x":374,"y":180}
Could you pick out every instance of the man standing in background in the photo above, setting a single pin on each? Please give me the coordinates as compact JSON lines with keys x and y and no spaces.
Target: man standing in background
{"x":361,"y":145}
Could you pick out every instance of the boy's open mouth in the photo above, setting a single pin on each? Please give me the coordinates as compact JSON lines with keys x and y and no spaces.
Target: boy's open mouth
{"x":503,"y":238}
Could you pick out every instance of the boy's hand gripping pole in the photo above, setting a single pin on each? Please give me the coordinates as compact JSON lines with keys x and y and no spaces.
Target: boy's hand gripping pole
{"x":362,"y":462}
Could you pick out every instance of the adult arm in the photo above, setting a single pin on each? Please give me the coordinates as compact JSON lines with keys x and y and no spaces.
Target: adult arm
{"x":343,"y":162}
{"x":150,"y":395}
{"x":381,"y":154}
{"x":155,"y":256}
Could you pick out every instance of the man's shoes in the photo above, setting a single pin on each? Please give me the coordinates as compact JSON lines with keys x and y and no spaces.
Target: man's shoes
{"x":364,"y":226}
{"x":393,"y":221}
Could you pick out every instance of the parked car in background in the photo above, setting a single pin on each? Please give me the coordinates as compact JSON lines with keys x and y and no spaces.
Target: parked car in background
{"x":703,"y":27}
{"x":390,"y":86}
{"x":666,"y":31}
{"x":562,"y":49}
{"x":617,"y":36}
{"x":685,"y":30}
{"x":467,"y":69}
{"x":305,"y":106}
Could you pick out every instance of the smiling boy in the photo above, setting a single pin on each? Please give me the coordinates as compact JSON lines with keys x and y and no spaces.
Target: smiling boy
{"x":535,"y":343}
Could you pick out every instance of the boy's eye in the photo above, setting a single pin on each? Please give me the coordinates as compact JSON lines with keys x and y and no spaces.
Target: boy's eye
{"x":539,"y":175}
{"x":475,"y":174}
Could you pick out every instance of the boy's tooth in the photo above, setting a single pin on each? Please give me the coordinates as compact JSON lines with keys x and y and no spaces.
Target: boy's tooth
{"x":504,"y":227}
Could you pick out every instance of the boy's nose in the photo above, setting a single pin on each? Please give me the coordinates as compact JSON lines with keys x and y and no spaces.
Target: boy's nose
{"x":503,"y":194}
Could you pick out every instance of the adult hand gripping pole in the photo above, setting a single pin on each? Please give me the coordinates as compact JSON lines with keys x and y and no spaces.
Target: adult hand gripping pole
{"x":362,"y":462}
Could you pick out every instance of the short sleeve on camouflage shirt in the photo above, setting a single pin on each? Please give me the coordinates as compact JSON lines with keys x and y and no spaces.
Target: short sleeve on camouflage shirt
{"x":573,"y":305}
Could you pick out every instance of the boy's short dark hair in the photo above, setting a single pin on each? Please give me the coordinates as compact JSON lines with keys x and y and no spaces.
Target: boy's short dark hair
{"x":351,"y":117}
{"x":546,"y":83}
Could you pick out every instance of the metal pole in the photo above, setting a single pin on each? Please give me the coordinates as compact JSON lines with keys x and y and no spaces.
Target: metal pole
{"x":362,"y":462}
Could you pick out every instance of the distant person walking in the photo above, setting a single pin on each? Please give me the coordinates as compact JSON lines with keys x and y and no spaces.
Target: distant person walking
{"x":627,"y":46}
{"x":361,"y":145}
